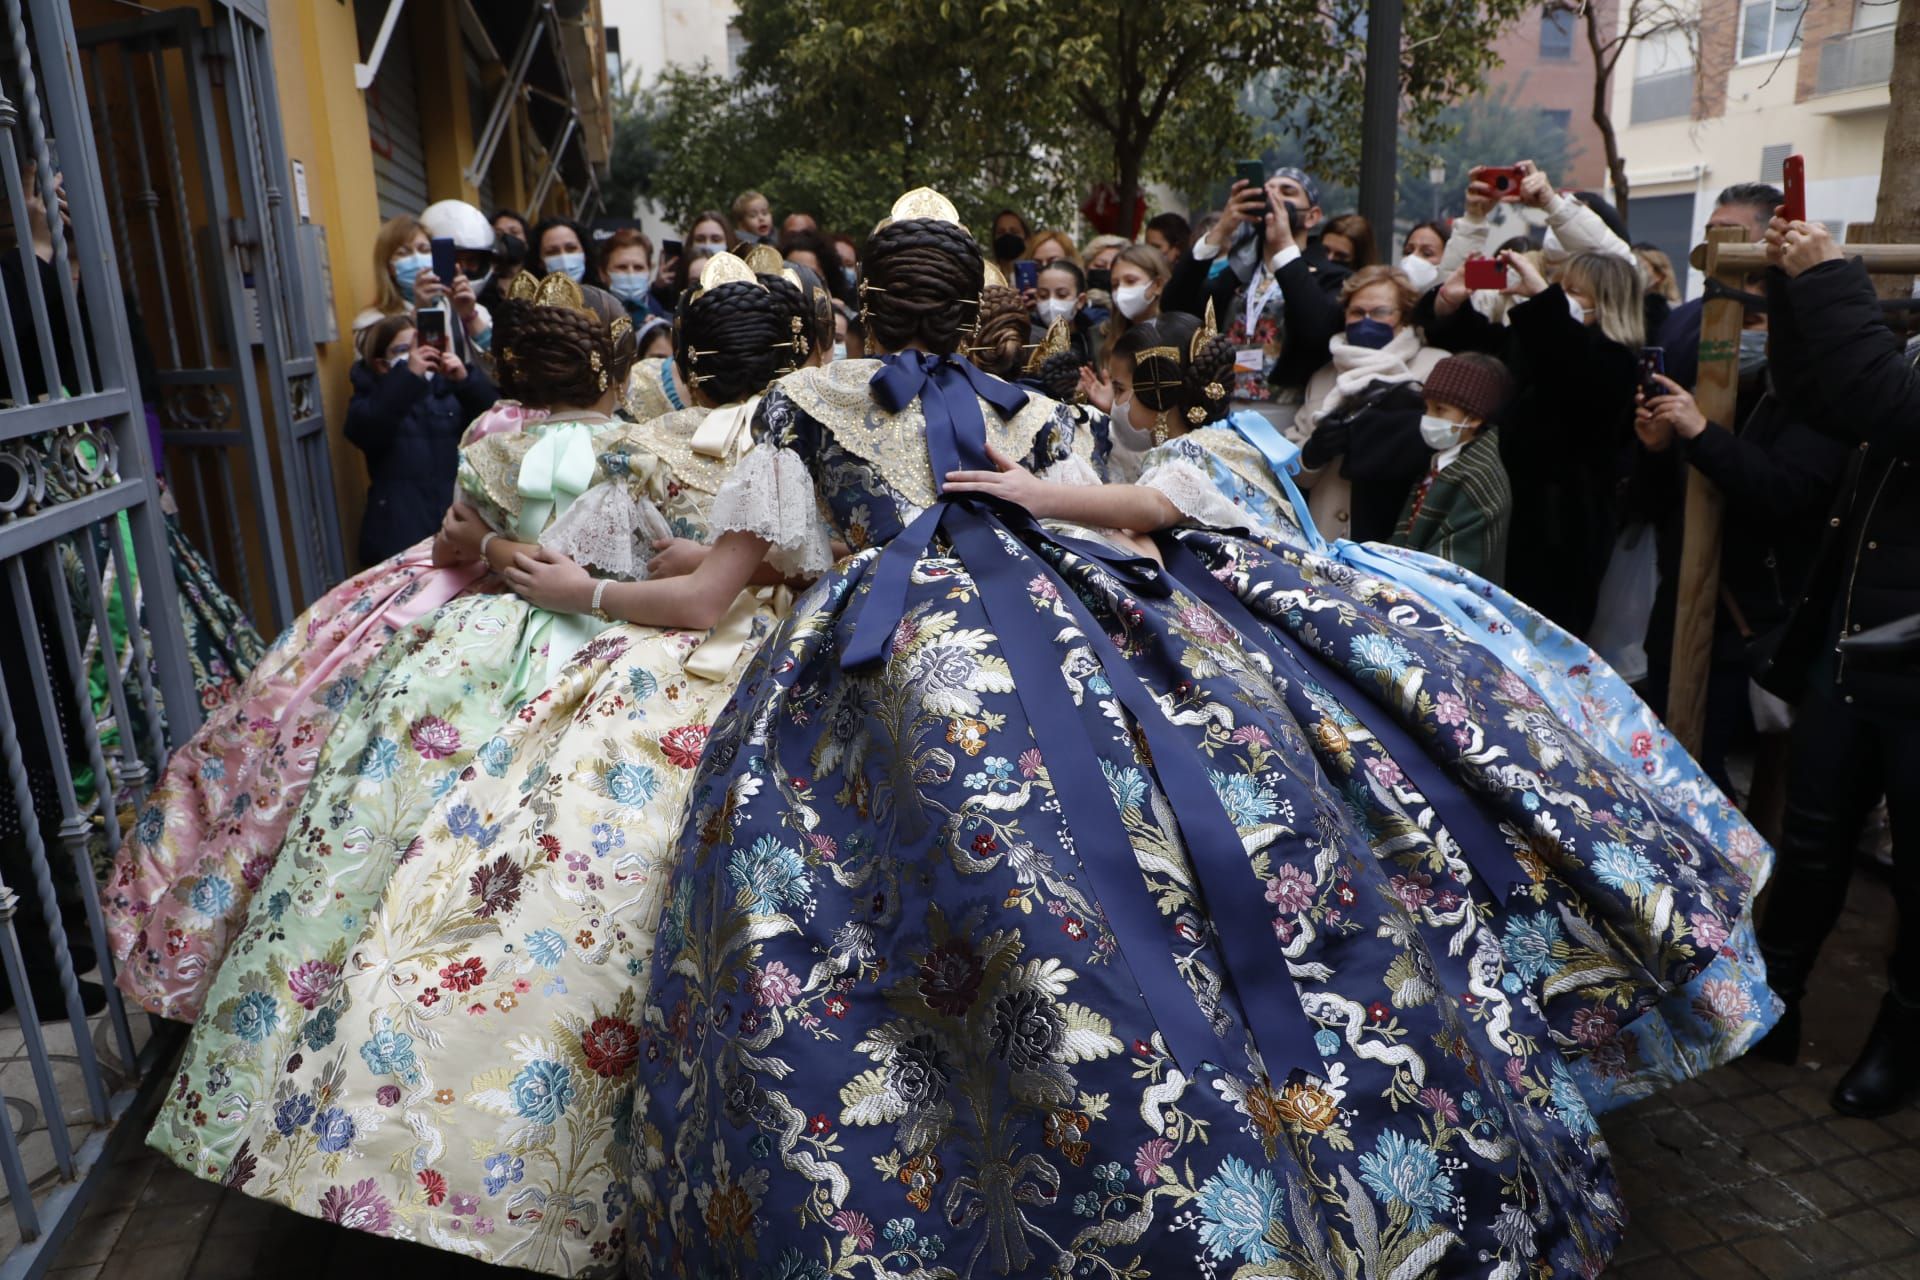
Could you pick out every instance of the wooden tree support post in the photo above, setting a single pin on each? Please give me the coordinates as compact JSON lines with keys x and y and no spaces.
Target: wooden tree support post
{"x":1716,"y":390}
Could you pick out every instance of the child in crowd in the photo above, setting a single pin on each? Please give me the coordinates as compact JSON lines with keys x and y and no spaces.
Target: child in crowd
{"x":1460,"y":509}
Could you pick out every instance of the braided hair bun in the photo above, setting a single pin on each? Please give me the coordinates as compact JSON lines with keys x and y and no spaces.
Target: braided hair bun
{"x":1193,"y":386}
{"x":1059,"y":376}
{"x":791,"y":313}
{"x":559,"y":356}
{"x":921,"y":283}
{"x":731,"y":340}
{"x":1000,"y":335}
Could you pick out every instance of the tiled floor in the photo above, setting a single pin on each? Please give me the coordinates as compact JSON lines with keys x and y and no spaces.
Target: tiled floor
{"x":1742,"y":1175}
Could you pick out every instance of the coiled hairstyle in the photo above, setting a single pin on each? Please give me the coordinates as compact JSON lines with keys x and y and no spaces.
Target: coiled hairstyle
{"x":732,"y":339}
{"x":921,"y":283}
{"x":1001,"y":331}
{"x":560,"y":356}
{"x":1192,"y":387}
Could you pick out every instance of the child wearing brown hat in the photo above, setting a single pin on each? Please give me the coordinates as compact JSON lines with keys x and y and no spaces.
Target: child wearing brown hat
{"x":1461,"y":508}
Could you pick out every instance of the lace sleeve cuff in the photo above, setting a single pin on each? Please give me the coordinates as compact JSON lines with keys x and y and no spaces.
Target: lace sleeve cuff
{"x":1072,"y":469}
{"x":770,"y":495}
{"x":1182,"y":484}
{"x":608,"y":529}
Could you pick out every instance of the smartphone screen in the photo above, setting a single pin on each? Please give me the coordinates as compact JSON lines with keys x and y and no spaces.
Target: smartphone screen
{"x":1100,"y":279}
{"x":430,"y":327}
{"x":445,"y":267}
{"x":1026,"y":274}
{"x":1652,"y":360}
{"x":671,"y":248}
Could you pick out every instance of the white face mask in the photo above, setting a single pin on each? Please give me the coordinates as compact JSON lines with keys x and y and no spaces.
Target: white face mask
{"x":1055,"y":309}
{"x":839,"y":351}
{"x":716,"y":245}
{"x":1574,"y":309}
{"x":1419,"y":271}
{"x":1439,"y":433}
{"x":1132,"y":300}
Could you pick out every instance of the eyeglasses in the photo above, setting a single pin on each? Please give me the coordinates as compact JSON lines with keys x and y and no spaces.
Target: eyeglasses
{"x":1385,"y":315}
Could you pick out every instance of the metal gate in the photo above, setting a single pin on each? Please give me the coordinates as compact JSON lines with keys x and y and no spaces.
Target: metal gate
{"x":94,"y":677}
{"x":188,"y":124}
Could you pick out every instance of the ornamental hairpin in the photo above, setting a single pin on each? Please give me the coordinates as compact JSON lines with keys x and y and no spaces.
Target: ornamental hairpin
{"x":764,"y":259}
{"x":1207,"y":332}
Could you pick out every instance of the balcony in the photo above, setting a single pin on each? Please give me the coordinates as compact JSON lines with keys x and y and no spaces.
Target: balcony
{"x":1667,"y":96}
{"x":1856,"y":60}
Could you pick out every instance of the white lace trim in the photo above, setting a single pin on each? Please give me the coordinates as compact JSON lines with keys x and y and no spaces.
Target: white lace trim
{"x":608,"y":529}
{"x":1199,"y":500}
{"x":1072,"y":469}
{"x":770,"y":495}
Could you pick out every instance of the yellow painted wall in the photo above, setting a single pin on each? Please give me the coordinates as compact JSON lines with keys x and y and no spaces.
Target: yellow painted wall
{"x":324,"y":118}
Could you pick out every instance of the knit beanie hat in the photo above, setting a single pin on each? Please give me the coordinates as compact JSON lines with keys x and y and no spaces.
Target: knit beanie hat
{"x":1475,"y":384}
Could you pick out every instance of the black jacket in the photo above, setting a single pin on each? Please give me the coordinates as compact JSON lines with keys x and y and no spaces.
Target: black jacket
{"x":1309,"y":298}
{"x":1777,"y":477}
{"x":410,"y":427}
{"x":1379,"y":434}
{"x":1566,"y":439}
{"x":1838,"y":364}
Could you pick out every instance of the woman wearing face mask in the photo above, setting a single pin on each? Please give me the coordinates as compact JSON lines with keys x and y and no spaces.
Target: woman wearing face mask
{"x":1009,"y":240}
{"x":1348,"y":241}
{"x":1062,"y":295}
{"x":1574,"y":351}
{"x":401,"y":254}
{"x":628,"y":264}
{"x":1140,"y":276}
{"x":560,"y":246}
{"x":1359,"y":430}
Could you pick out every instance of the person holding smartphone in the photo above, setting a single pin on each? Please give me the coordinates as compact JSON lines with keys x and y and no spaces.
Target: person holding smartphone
{"x":411,"y":401}
{"x":1274,"y":292}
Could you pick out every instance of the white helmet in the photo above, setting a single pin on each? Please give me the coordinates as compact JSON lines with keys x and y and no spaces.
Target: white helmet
{"x":460,"y":222}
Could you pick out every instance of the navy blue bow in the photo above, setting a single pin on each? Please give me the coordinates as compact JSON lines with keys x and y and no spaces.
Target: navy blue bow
{"x":949,"y":390}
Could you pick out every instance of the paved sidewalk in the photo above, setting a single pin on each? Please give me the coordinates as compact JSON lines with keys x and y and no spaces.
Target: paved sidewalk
{"x":1744,"y":1174}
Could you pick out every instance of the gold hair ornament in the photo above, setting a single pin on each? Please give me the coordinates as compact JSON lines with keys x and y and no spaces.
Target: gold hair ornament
{"x":924,"y":202}
{"x":1055,"y":343}
{"x":995,"y":278}
{"x":523,"y":287}
{"x":764,"y":259}
{"x":562,"y":290}
{"x":1209,"y":330}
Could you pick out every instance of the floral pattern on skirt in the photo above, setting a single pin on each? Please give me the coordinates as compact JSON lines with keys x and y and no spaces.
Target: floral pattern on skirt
{"x":206,"y":838}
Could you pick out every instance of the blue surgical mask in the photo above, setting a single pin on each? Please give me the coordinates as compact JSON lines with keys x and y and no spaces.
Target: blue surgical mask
{"x":1369,"y":333}
{"x":1753,"y":350}
{"x":407,"y":270}
{"x":572,"y":265}
{"x":851,"y":275}
{"x":630,"y":286}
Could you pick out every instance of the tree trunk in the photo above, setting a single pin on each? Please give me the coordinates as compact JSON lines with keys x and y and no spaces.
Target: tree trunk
{"x":1897,"y":217}
{"x":1602,"y":107}
{"x":1127,"y":157}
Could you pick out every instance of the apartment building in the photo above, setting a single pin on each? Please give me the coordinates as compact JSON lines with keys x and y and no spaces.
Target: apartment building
{"x":1547,"y":65}
{"x":1760,"y":80}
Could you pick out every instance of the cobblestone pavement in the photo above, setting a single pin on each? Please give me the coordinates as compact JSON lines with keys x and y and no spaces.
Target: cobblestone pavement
{"x":1742,"y":1174}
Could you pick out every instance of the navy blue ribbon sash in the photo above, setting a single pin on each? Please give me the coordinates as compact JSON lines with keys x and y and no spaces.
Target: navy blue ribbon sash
{"x":975,"y":526}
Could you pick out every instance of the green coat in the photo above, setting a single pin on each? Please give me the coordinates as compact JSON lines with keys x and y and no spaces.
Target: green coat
{"x":1466,"y":511}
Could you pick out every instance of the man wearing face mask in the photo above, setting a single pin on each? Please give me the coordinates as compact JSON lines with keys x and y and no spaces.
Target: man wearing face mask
{"x":1461,"y":509}
{"x":1745,"y":206}
{"x":1275,"y":292}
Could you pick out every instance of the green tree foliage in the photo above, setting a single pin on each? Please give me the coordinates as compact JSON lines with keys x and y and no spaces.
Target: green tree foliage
{"x":842,"y":103}
{"x":636,"y":159}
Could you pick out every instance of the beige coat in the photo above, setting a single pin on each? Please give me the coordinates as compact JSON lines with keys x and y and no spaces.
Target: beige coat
{"x":1329,"y":492}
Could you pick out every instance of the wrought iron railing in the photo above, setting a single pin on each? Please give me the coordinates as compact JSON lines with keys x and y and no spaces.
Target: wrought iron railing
{"x":94,"y":679}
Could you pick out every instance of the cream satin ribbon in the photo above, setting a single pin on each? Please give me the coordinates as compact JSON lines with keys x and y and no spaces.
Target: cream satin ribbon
{"x":713,"y":659}
{"x":725,"y":429}
{"x":557,"y":469}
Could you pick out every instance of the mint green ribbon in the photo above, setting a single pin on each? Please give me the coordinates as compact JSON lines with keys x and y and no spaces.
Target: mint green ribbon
{"x":557,"y":469}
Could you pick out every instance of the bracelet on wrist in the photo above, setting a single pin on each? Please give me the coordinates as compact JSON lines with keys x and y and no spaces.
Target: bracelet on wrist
{"x":599,"y":591}
{"x":485,"y":542}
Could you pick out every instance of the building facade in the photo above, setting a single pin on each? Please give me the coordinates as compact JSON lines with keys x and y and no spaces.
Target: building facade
{"x":1546,"y":64}
{"x":1753,"y":82}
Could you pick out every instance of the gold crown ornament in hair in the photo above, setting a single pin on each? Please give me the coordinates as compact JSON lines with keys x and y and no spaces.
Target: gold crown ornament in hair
{"x":1209,"y":330}
{"x":996,"y":278}
{"x":765,"y":260}
{"x":924,"y":202}
{"x":523,"y":287}
{"x":561,"y":290}
{"x":1057,"y":342}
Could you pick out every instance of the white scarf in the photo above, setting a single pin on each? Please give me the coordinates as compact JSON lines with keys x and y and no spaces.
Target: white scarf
{"x":1357,"y":368}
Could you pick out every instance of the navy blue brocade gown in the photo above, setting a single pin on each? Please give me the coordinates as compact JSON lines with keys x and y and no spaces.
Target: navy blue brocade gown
{"x":911,"y":1016}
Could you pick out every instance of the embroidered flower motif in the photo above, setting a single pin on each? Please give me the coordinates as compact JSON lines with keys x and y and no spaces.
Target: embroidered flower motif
{"x":433,"y":738}
{"x":310,"y":982}
{"x":542,"y":1091}
{"x":1406,"y":1172}
{"x":611,"y":1047}
{"x":683,"y":744}
{"x":1240,"y":1205}
{"x":776,"y":986}
{"x":496,"y":885}
{"x":1153,"y":1153}
{"x":435,"y":1184}
{"x":361,"y":1207}
{"x":950,"y":977}
{"x":1291,"y":889}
